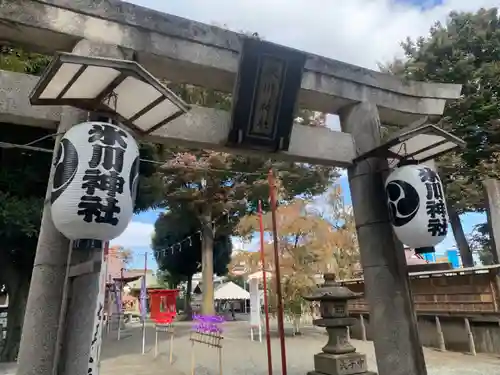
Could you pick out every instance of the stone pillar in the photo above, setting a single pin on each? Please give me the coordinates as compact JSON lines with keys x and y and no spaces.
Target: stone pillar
{"x":392,"y":318}
{"x":492,"y":192}
{"x":79,"y":324}
{"x":44,"y":321}
{"x":84,"y":289}
{"x":37,"y":351}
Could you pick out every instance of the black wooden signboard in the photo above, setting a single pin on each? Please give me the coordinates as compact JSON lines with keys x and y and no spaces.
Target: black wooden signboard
{"x":265,"y":96}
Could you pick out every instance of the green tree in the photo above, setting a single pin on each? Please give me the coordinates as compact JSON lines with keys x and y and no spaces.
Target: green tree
{"x":18,"y":60}
{"x":23,"y":182}
{"x":177,"y":246}
{"x":480,"y":243}
{"x":165,"y":279}
{"x":121,"y":253}
{"x":308,"y":245}
{"x":465,"y":50}
{"x":238,"y":280}
{"x":219,"y":188}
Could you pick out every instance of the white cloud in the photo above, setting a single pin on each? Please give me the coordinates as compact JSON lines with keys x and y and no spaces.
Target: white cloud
{"x":361,"y":32}
{"x":137,"y":234}
{"x":240,"y":244}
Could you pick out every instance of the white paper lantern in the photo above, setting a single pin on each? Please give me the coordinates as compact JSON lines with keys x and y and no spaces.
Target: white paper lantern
{"x":95,"y":182}
{"x":417,"y":206}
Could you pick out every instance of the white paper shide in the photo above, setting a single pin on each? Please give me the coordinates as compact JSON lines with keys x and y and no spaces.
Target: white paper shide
{"x":95,"y":181}
{"x":417,"y":206}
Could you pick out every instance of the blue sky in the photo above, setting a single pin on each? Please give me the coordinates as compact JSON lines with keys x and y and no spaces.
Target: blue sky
{"x":360,"y":32}
{"x":423,"y":4}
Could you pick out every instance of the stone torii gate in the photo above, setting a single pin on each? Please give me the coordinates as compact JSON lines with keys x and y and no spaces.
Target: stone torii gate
{"x":184,"y":51}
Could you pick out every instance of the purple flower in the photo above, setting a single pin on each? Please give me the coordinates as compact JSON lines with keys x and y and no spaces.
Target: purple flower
{"x":207,"y":323}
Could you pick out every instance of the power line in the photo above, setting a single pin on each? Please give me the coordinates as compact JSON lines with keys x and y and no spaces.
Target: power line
{"x":24,"y":147}
{"x":178,"y":245}
{"x":28,"y":147}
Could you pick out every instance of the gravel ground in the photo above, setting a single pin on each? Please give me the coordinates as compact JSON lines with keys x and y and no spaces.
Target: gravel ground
{"x":244,"y":357}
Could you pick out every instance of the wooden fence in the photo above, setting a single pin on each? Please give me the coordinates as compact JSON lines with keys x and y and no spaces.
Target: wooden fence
{"x":462,"y":292}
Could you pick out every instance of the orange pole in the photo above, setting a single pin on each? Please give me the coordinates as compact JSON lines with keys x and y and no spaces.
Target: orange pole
{"x":279,"y":297}
{"x":266,"y":308}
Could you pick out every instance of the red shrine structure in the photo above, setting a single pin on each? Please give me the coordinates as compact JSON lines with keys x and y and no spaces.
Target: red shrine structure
{"x":162,"y":303}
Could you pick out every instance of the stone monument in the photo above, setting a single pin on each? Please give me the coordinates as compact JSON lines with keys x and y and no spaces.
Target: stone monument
{"x":339,"y":357}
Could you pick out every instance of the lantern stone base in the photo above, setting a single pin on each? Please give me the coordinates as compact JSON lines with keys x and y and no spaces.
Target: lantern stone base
{"x":339,"y":357}
{"x":340,"y":364}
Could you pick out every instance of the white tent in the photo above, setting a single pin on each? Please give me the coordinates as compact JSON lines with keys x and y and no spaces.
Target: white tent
{"x":259,"y":275}
{"x":230,"y":292}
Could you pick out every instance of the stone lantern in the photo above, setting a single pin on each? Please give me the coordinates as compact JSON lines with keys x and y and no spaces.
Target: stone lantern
{"x":339,"y":357}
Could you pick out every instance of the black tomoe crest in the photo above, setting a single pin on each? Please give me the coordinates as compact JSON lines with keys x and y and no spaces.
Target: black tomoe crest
{"x":66,"y":166}
{"x":403,"y":201}
{"x":134,"y":179}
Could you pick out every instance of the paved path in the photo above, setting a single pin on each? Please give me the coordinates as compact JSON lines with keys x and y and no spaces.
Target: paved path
{"x":7,"y":368}
{"x":243,"y":357}
{"x":124,"y":357}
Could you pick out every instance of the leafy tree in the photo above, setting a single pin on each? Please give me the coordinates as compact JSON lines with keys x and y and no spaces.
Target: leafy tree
{"x":480,"y":243}
{"x":341,"y":255}
{"x":220,"y":188}
{"x":245,"y":262}
{"x":465,"y":50}
{"x":22,"y":189}
{"x":165,"y":279}
{"x":119,"y":252}
{"x":310,"y":243}
{"x":23,"y":182}
{"x":238,"y":280}
{"x":18,"y":60}
{"x":177,"y":247}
